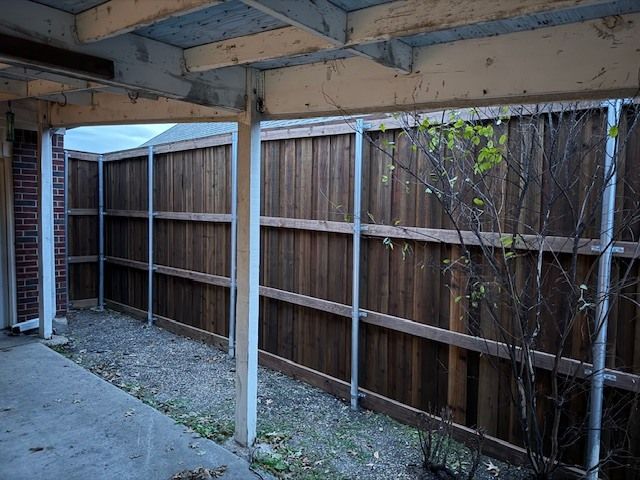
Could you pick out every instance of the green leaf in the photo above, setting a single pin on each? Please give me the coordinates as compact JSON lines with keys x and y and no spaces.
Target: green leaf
{"x":478,"y":202}
{"x":506,"y":241}
{"x":613,"y":131}
{"x":383,"y":128}
{"x":503,"y":139}
{"x":457,"y":299}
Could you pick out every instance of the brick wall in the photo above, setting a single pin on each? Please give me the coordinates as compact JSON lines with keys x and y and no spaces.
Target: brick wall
{"x":25,"y":190}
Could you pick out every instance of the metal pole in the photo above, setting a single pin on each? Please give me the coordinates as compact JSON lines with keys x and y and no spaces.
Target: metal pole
{"x":355,"y":294}
{"x":150,"y":235}
{"x":100,"y":232}
{"x":234,"y":233}
{"x":66,"y":225}
{"x":599,"y":347}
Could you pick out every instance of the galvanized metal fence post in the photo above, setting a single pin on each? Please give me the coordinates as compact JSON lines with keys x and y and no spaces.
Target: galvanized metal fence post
{"x":150,"y":235}
{"x":66,"y":226}
{"x":234,"y":239}
{"x":355,"y":293}
{"x":599,"y":347}
{"x":100,"y":232}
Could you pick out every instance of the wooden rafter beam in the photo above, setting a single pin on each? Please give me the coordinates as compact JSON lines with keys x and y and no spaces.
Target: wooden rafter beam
{"x":318,"y":17}
{"x":593,"y":59}
{"x":30,"y":53}
{"x":11,"y":89}
{"x":409,"y":17}
{"x":110,"y":109}
{"x":140,"y":63}
{"x":116,"y":17}
{"x":328,"y":22}
{"x":279,"y":43}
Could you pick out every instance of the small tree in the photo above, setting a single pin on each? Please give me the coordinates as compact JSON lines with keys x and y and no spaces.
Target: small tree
{"x":522,"y":194}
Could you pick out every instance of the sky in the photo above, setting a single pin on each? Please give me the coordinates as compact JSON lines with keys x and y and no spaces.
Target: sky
{"x":111,"y":138}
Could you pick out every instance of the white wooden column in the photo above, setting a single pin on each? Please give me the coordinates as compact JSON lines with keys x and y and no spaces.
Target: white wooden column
{"x":46,"y":253}
{"x":248,"y":264}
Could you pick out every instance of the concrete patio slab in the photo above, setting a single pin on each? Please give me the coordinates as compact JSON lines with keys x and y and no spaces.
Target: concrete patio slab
{"x":58,"y":420}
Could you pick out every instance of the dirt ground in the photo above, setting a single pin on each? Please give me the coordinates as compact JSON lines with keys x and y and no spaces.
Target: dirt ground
{"x":303,"y":432}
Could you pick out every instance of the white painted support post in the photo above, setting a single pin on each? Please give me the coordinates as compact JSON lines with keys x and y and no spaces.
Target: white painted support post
{"x":248,"y":267}
{"x":100,"y":232}
{"x":46,"y":251}
{"x":150,"y":235}
{"x":234,"y":244}
{"x":355,"y":293}
{"x":599,"y":346}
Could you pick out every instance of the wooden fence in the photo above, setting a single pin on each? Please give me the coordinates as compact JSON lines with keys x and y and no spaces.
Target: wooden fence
{"x":415,"y":352}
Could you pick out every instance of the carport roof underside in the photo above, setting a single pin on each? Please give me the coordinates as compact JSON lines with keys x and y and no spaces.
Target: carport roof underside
{"x":120,"y":61}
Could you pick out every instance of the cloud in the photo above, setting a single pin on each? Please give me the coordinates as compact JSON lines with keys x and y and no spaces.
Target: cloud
{"x":111,"y":138}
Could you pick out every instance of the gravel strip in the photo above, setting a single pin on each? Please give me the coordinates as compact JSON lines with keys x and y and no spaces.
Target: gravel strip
{"x":303,"y":432}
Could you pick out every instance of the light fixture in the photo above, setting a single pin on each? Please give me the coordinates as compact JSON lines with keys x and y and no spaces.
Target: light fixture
{"x":10,"y":119}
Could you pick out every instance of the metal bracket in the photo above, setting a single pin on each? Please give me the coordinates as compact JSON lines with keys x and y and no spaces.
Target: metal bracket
{"x":362,"y":314}
{"x":598,"y":249}
{"x":612,"y":377}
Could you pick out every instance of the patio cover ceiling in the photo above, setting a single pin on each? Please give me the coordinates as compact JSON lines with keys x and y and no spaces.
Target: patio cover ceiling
{"x":123,"y":61}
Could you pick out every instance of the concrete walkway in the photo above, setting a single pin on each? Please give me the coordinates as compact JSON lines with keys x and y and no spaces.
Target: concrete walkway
{"x":59,"y":421}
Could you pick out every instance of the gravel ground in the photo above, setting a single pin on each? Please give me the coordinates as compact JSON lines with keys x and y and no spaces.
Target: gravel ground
{"x":303,"y":432}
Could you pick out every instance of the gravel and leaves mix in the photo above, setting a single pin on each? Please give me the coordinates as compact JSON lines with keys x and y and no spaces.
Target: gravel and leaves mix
{"x":303,"y":432}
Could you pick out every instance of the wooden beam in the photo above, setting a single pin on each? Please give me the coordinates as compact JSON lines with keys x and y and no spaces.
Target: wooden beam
{"x":11,"y":89}
{"x":409,"y":17}
{"x":116,"y":17}
{"x":53,"y":58}
{"x":582,"y":60}
{"x":248,"y":267}
{"x":282,"y":42}
{"x":318,"y":17}
{"x":83,"y":259}
{"x":111,"y":108}
{"x":140,"y":63}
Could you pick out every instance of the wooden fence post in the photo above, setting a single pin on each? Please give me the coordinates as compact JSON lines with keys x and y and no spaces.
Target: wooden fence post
{"x":248,"y":267}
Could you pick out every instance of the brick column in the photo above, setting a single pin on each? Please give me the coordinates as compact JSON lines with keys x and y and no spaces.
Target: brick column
{"x":25,"y":188}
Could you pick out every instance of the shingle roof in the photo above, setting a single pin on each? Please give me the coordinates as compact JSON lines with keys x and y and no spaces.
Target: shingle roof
{"x":190,"y":131}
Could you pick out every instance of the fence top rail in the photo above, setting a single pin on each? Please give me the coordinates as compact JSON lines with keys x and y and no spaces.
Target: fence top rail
{"x":346,"y":126}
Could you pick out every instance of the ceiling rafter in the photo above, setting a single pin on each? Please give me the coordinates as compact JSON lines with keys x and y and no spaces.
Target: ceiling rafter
{"x":116,"y":17}
{"x":324,"y":19}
